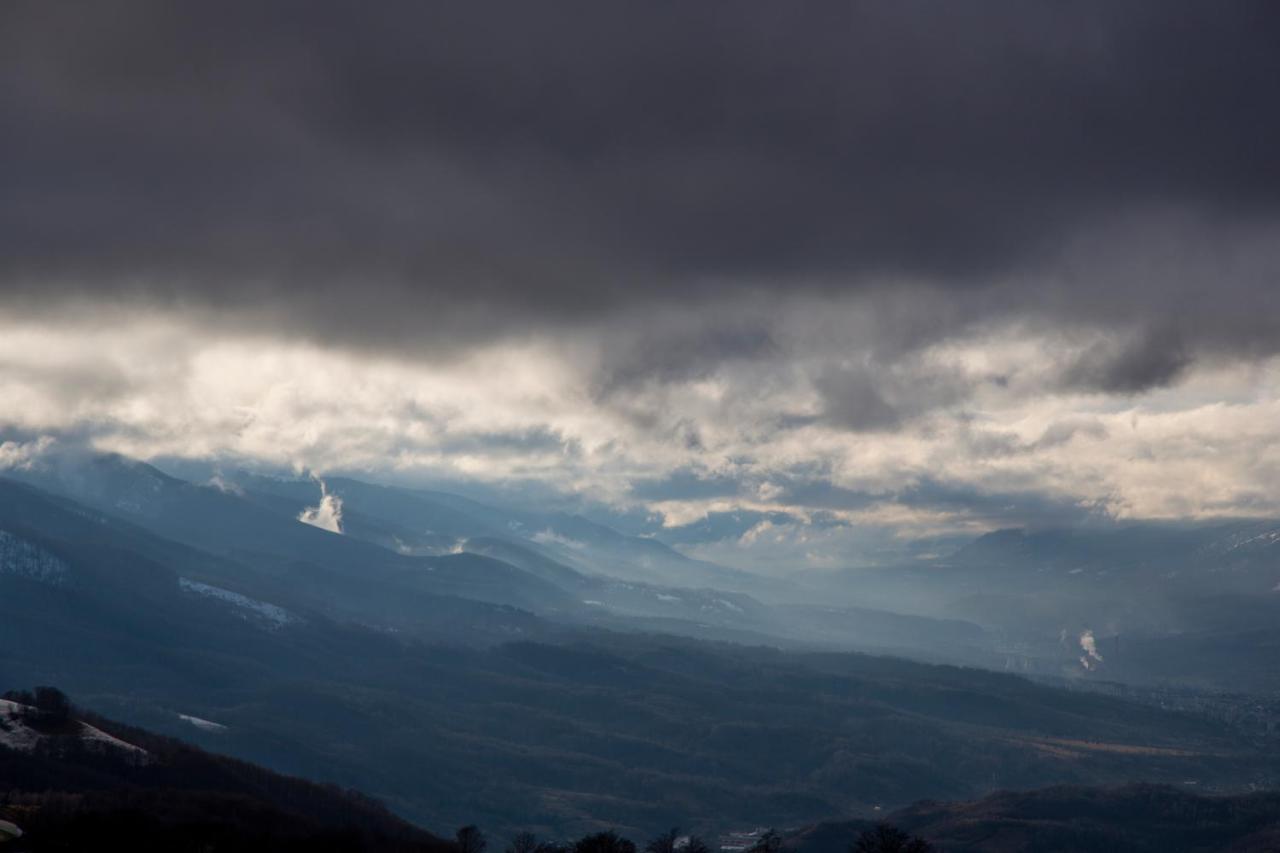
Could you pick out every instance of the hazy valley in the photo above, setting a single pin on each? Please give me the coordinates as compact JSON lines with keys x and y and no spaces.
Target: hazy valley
{"x":516,"y":689}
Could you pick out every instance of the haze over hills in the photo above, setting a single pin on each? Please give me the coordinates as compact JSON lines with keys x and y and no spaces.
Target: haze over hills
{"x":488,"y":687}
{"x":579,"y":416}
{"x":517,"y":560}
{"x":1165,"y":604}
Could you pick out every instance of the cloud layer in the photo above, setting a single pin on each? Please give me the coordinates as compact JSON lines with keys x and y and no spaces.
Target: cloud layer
{"x":421,"y":175}
{"x":745,"y":459}
{"x":792,"y":272}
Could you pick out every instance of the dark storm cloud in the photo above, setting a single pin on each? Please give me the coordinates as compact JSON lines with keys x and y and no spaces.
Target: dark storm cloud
{"x":1151,"y":360}
{"x":529,"y":441}
{"x":854,"y":401}
{"x":409,"y":173}
{"x":688,"y":351}
{"x":1023,"y":507}
{"x":981,"y":443}
{"x":884,"y":396}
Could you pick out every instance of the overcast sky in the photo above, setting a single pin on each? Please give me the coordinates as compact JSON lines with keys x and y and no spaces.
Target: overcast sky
{"x":854,"y":271}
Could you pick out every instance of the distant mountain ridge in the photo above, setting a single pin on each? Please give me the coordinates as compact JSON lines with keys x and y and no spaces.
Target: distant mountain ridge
{"x":1197,"y":605}
{"x":551,"y":565}
{"x":218,"y":615}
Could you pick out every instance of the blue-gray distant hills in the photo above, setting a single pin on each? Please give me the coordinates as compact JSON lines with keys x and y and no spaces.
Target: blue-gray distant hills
{"x":519,"y":679}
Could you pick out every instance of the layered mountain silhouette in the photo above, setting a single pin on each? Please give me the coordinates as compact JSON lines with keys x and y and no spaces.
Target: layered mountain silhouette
{"x":511,"y":688}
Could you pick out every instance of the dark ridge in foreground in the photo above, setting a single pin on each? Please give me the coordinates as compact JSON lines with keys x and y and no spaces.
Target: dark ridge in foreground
{"x":1069,"y":819}
{"x":74,"y":781}
{"x":66,"y":787}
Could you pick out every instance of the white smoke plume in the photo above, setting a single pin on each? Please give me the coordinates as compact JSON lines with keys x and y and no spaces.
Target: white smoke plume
{"x":1090,"y":659}
{"x":22,"y":455}
{"x":327,"y":515}
{"x":222,"y":484}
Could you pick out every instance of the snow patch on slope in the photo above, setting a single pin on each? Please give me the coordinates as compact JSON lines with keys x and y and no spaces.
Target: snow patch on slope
{"x":202,"y":724}
{"x":277,"y":616}
{"x":23,"y":559}
{"x":16,"y":733}
{"x":91,"y":735}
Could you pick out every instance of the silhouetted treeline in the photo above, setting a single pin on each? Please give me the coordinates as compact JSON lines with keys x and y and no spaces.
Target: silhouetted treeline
{"x":888,"y":839}
{"x":43,"y":703}
{"x":882,"y":838}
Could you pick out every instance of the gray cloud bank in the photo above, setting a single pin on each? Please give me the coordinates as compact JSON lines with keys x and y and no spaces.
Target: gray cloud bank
{"x":412,"y":174}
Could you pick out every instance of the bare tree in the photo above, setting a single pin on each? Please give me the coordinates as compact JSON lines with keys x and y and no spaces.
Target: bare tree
{"x":471,"y":839}
{"x":52,"y":703}
{"x":664,"y":843}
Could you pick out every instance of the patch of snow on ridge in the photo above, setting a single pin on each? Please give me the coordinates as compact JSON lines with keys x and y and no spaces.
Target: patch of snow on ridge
{"x":90,"y":734}
{"x":16,"y":733}
{"x":23,"y":559}
{"x":202,"y":724}
{"x":1264,"y":539}
{"x":277,"y":616}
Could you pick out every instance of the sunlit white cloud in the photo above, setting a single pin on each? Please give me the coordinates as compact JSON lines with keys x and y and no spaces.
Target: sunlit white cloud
{"x":22,"y":454}
{"x":1002,"y":444}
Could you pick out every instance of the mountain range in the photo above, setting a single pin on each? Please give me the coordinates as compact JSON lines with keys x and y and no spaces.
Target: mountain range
{"x":522,"y":677}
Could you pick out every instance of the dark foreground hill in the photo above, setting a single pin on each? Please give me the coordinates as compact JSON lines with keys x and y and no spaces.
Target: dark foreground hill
{"x":86,"y":783}
{"x":1066,"y":819}
{"x":74,"y":781}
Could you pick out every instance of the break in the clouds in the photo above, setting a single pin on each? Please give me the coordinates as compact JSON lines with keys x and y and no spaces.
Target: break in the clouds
{"x":833,"y":267}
